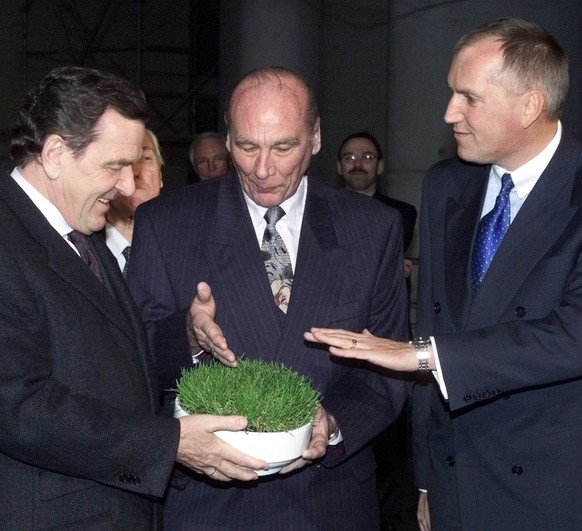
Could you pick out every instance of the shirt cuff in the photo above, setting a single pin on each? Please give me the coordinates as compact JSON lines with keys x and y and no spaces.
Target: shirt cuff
{"x":336,"y":438}
{"x":438,"y":373}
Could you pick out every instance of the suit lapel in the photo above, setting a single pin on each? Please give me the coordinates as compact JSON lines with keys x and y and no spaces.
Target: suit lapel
{"x":462,"y":216}
{"x":545,"y":213}
{"x":239,"y":279}
{"x":61,"y":258}
{"x":320,"y":269}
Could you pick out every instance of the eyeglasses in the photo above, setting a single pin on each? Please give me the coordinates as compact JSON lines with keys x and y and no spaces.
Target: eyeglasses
{"x":351,"y":158}
{"x":217,"y":160}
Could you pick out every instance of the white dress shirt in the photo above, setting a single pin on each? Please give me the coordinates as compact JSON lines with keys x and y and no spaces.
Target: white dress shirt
{"x":289,"y":226}
{"x":116,"y":243}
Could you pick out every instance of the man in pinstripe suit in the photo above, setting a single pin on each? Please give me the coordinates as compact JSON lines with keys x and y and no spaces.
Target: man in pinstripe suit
{"x":346,"y":255}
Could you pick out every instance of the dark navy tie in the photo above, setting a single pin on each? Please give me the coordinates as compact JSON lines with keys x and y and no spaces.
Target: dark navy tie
{"x":80,"y":241}
{"x":277,"y":260}
{"x":125,"y":254}
{"x":492,"y":229}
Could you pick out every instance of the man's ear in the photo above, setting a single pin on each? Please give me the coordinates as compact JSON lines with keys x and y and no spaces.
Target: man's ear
{"x":380,"y":169}
{"x":52,"y":155}
{"x":535,"y":103}
{"x":316,"y":138}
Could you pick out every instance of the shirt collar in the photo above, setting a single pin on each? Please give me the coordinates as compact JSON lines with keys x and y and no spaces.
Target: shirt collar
{"x":526,"y":176}
{"x":48,"y":210}
{"x":293,"y":206}
{"x":115,"y":240}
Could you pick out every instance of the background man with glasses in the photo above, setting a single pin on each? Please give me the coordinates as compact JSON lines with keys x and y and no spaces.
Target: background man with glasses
{"x":360,"y":164}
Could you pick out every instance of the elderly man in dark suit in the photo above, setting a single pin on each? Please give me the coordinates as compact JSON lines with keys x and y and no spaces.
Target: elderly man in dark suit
{"x":340,"y":264}
{"x":500,"y":293}
{"x":80,"y":445}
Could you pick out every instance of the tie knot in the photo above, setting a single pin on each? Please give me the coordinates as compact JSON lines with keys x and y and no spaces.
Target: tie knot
{"x":78,"y":239}
{"x":506,"y":183}
{"x":125,"y":252}
{"x":273,"y":215}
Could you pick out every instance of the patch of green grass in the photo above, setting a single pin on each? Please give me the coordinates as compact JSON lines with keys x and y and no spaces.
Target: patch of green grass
{"x":271,"y":396}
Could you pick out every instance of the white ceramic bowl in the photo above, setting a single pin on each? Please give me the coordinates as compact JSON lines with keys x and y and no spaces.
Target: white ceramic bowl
{"x":278,"y":449}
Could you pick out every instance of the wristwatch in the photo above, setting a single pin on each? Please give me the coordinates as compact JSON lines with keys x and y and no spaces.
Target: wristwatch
{"x":421,"y":346}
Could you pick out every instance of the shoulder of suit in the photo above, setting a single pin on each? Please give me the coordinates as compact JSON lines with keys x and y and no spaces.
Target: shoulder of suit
{"x":182,"y":196}
{"x":401,"y":206}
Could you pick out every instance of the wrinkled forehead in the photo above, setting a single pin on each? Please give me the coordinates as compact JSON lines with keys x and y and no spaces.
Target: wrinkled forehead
{"x":281,"y":94}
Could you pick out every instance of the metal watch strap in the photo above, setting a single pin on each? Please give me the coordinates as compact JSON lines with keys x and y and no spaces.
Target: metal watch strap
{"x":422,"y":353}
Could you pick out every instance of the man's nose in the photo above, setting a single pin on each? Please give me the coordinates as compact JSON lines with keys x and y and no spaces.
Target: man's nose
{"x":126,"y":181}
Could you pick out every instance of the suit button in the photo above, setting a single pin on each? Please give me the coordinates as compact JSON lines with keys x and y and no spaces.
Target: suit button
{"x":520,"y":312}
{"x":450,"y":460}
{"x":486,"y":394}
{"x":437,"y":307}
{"x":477,"y":396}
{"x":467,"y":398}
{"x":517,"y":470}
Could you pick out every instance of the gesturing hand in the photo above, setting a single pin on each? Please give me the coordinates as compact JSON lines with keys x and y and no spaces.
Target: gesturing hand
{"x":203,"y":332}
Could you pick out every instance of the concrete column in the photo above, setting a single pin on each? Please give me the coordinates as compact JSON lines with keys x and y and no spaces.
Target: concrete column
{"x":256,"y":33}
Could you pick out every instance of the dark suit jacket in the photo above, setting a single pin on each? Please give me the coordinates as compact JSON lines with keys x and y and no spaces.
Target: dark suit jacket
{"x":408,"y":213}
{"x":348,"y":274}
{"x":80,"y":446}
{"x":504,"y":452}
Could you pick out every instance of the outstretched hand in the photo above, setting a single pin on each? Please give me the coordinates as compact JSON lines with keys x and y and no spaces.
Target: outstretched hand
{"x":394,"y":355}
{"x":203,"y":332}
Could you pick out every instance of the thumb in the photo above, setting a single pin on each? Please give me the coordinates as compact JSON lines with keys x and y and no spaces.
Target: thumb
{"x":203,"y":291}
{"x":229,"y":423}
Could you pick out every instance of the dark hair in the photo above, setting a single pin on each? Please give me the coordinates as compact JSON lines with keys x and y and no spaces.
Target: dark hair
{"x":70,"y":102}
{"x":532,"y":59}
{"x":361,"y":134}
{"x":277,"y":73}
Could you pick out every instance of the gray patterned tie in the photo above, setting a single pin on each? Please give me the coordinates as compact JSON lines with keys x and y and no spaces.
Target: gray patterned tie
{"x":277,"y":261}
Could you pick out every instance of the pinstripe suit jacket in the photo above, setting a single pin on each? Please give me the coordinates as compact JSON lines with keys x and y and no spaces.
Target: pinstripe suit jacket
{"x":80,"y":446}
{"x":348,"y":274}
